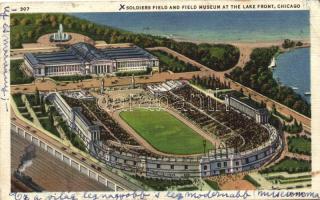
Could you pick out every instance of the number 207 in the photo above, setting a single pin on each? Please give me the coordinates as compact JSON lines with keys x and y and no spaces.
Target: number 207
{"x":24,"y":8}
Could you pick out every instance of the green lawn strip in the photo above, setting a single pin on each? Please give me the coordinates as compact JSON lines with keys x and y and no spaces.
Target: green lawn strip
{"x":17,"y":99}
{"x":165,"y":132}
{"x":294,"y":180}
{"x":287,"y":178}
{"x":16,"y":74}
{"x":251,"y":180}
{"x":73,"y":78}
{"x":214,"y":185}
{"x":301,"y":145}
{"x":173,"y":64}
{"x":290,"y":165}
{"x":135,"y":73}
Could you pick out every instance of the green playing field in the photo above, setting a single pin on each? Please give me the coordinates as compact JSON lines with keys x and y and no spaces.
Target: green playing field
{"x":165,"y":132}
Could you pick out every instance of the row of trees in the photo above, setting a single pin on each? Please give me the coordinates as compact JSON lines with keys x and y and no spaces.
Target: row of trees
{"x":17,"y":75}
{"x":209,"y":82}
{"x":27,"y":28}
{"x":257,"y":76}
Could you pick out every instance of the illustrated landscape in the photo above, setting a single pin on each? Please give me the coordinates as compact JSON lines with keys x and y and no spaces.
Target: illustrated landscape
{"x":168,"y":101}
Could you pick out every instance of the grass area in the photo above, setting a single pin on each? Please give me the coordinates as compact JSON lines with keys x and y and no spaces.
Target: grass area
{"x":295,"y":181}
{"x":17,"y":99}
{"x":251,"y":180}
{"x":73,"y":78}
{"x":301,"y":145}
{"x":290,"y":165}
{"x":165,"y":132}
{"x":168,"y":62}
{"x":162,"y":185}
{"x":217,"y":52}
{"x":49,"y":127}
{"x":214,"y":185}
{"x":16,"y":74}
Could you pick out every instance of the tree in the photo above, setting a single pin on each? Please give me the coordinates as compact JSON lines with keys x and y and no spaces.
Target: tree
{"x":45,"y":17}
{"x":299,"y":43}
{"x":288,"y":43}
{"x":54,"y":24}
{"x":30,"y":34}
{"x":25,"y":21}
{"x":53,"y":18}
{"x":83,"y":27}
{"x":13,"y":21}
{"x":39,"y":22}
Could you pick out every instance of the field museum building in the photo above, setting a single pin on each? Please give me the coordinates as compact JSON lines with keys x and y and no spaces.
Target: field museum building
{"x":83,"y":58}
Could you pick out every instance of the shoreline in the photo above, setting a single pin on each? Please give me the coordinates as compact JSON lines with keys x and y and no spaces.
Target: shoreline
{"x":253,"y":43}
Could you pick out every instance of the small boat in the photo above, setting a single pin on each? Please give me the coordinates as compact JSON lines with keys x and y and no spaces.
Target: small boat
{"x":307,"y":93}
{"x":294,"y":88}
{"x":273,"y":63}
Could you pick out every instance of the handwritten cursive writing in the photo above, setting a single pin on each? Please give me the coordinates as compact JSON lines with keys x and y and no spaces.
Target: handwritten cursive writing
{"x":5,"y":55}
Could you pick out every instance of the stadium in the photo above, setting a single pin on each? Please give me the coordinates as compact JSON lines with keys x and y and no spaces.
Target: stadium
{"x":167,"y":130}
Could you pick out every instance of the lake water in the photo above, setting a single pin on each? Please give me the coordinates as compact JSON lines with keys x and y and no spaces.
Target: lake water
{"x":293,"y":70}
{"x":246,"y":26}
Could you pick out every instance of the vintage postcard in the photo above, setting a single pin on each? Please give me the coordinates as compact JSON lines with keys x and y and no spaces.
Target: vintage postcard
{"x":160,"y":100}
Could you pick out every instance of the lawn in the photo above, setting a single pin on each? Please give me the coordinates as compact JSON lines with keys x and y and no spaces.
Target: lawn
{"x":165,"y":132}
{"x":17,"y":99}
{"x":290,"y":165}
{"x":169,"y":63}
{"x":300,"y":145}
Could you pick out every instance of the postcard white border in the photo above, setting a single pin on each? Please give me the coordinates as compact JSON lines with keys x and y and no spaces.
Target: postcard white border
{"x":113,"y":6}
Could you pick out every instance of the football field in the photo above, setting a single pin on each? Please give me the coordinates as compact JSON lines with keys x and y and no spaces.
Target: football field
{"x":165,"y":132}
